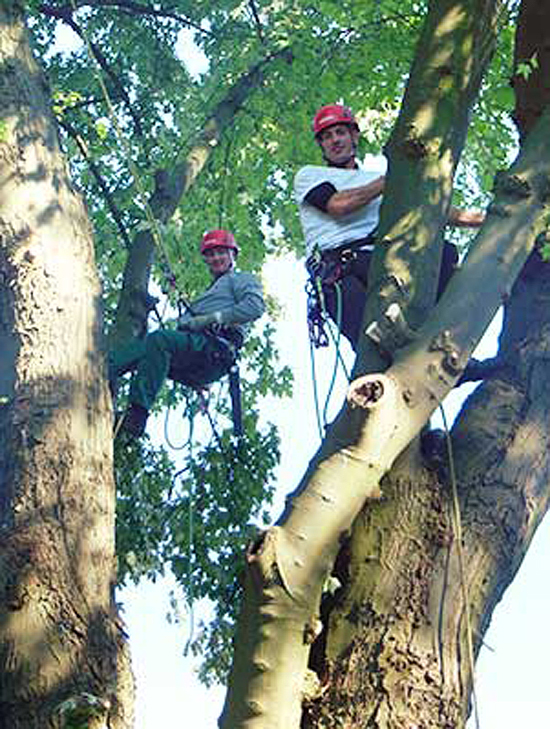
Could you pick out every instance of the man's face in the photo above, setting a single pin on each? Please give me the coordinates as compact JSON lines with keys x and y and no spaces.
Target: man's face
{"x":219,"y":260}
{"x":338,"y":143}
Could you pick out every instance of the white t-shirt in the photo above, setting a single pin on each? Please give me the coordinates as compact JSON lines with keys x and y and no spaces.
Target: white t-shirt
{"x":320,"y":229}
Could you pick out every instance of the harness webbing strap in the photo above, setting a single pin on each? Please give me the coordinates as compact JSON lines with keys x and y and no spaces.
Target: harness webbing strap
{"x":236,"y":403}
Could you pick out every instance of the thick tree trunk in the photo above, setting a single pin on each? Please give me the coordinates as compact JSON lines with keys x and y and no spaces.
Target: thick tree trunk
{"x":397,"y":649}
{"x":404,"y":569}
{"x":412,"y":670}
{"x":63,"y":659}
{"x":453,"y":52}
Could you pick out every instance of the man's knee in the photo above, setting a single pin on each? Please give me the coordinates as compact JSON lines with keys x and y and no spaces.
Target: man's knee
{"x":159,"y":341}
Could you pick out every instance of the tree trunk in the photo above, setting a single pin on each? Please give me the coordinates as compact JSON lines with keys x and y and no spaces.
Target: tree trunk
{"x":63,"y":658}
{"x":398,"y":644}
{"x":404,"y":565}
{"x":416,"y":579}
{"x":397,"y":647}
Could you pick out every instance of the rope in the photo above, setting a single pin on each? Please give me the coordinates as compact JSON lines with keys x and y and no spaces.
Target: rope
{"x":190,"y":531}
{"x":457,"y":525}
{"x":214,"y":430}
{"x":118,"y":426}
{"x":187,"y":413}
{"x":190,"y":583}
{"x":315,"y":390}
{"x":336,"y":341}
{"x":336,"y":338}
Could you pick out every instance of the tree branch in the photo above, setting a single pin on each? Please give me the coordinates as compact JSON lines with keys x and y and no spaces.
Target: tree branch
{"x":71,"y":131}
{"x":65,"y":15}
{"x":257,"y":20}
{"x":486,"y":369}
{"x":171,"y":183}
{"x":127,"y":6}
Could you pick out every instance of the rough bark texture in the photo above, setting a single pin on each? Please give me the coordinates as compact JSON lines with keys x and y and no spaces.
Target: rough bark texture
{"x":396,"y":654}
{"x":63,"y":660}
{"x":531,"y":80}
{"x":453,"y":52}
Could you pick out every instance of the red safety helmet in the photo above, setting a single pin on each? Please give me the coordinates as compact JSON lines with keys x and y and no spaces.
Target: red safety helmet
{"x":332,"y":114}
{"x":218,"y":239}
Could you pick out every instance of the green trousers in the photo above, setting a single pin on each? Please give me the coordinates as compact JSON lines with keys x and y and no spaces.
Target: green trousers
{"x":194,"y":358}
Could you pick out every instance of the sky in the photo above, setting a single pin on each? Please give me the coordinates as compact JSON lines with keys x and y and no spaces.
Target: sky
{"x":511,"y":677}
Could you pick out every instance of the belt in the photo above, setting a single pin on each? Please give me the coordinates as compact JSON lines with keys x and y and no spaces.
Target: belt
{"x":343,"y":253}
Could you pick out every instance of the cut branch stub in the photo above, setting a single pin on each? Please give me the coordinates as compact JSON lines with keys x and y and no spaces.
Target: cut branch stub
{"x":365,"y":392}
{"x":263,"y":560}
{"x":391,"y":331}
{"x":453,"y":362}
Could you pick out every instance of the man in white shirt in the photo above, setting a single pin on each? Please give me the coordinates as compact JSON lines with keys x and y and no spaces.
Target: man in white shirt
{"x":339,"y":206}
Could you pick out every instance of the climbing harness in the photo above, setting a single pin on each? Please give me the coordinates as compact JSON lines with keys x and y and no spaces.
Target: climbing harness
{"x":326,"y":271}
{"x":316,"y":319}
{"x":228,"y":343}
{"x":322,"y":273}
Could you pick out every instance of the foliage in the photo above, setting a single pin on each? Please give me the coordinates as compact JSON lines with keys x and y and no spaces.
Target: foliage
{"x":143,"y":476}
{"x":221,"y":490}
{"x":197,"y":520}
{"x":353,"y":51}
{"x":227,"y":481}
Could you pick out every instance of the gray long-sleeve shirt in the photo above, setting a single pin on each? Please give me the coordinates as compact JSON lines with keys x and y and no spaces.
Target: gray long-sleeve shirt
{"x":237,"y":295}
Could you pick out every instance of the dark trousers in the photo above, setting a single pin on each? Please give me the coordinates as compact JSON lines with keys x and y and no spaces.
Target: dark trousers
{"x":194,"y":358}
{"x":345,"y":296}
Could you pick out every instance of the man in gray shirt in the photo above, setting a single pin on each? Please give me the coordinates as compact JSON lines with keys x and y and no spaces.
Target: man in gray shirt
{"x":204,"y":346}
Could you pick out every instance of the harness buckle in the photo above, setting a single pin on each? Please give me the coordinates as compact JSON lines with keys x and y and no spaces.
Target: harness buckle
{"x":348,"y":255}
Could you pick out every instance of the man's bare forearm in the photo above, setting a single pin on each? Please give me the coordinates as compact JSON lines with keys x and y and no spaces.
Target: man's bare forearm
{"x":348,"y":201}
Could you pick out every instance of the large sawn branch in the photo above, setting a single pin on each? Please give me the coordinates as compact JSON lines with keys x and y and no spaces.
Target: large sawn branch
{"x":288,"y":567}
